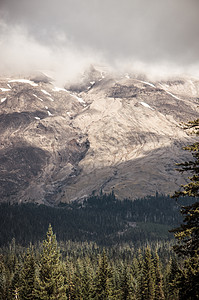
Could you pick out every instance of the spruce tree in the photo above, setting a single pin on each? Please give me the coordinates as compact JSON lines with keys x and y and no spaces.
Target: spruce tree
{"x":188,"y":283}
{"x":188,"y":232}
{"x":126,"y":291}
{"x":28,"y":277}
{"x":147,"y":287}
{"x":159,"y":293}
{"x":87,"y":281}
{"x":69,"y":280}
{"x":171,"y":280}
{"x":102,"y":284}
{"x":15,"y":283}
{"x":139,"y":273}
{"x":50,"y":282}
{"x":3,"y":284}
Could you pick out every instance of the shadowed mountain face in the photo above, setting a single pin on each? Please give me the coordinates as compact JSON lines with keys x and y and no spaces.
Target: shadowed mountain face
{"x":104,"y":133}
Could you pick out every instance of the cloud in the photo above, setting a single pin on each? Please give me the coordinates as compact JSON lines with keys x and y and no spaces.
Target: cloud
{"x":66,"y":35}
{"x":22,"y":53}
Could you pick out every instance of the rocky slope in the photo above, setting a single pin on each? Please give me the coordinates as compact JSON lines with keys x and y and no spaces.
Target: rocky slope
{"x":106,"y":132}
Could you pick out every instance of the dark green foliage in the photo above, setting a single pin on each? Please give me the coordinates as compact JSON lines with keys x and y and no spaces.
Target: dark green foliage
{"x":188,"y":233}
{"x":27,"y":285}
{"x":192,"y":188}
{"x":15,"y":284}
{"x":102,"y":282}
{"x":50,"y":282}
{"x":188,"y":283}
{"x":158,"y":279}
{"x":102,"y":219}
{"x":126,"y":285}
{"x":3,"y":279}
{"x":85,"y":271}
{"x":171,"y":280}
{"x":147,"y":280}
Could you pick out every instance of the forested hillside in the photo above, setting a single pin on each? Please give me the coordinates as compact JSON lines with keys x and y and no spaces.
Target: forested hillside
{"x":102,"y":219}
{"x":106,"y":249}
{"x":86,"y":271}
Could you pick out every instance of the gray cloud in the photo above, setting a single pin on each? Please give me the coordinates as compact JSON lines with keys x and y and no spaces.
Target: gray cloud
{"x":126,"y":34}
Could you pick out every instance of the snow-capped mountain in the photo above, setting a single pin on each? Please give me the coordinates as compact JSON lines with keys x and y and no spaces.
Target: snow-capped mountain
{"x":105,"y":132}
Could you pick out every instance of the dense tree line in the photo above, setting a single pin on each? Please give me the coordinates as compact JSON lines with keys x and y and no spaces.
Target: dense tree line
{"x":102,"y":219}
{"x":73,"y":270}
{"x":87,"y":271}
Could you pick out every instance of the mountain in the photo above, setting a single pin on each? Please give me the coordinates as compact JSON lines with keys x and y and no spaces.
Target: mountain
{"x":104,"y":132}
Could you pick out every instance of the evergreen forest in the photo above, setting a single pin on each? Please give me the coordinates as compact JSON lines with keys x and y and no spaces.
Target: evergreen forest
{"x":102,"y":219}
{"x":104,"y":248}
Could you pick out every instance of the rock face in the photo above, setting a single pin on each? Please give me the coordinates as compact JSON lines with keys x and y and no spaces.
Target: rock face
{"x":107,"y":133}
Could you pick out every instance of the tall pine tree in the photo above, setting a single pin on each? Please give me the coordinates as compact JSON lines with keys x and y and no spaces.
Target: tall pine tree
{"x":188,"y":232}
{"x":50,"y":282}
{"x":102,"y":288}
{"x":28,"y":277}
{"x":158,"y":282}
{"x":147,"y":280}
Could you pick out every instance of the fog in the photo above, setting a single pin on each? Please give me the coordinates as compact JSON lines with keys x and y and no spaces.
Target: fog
{"x":65,"y":36}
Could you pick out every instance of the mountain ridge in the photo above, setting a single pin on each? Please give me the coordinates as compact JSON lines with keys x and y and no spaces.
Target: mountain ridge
{"x":109,"y":133}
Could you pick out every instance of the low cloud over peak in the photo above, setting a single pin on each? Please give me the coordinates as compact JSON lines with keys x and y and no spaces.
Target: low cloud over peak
{"x":68,"y":35}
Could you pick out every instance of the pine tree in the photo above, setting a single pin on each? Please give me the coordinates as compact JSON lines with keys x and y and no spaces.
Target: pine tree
{"x":126,"y":292}
{"x":147,"y":286}
{"x":28,"y":277}
{"x":159,"y":293}
{"x":139,"y":273}
{"x":69,"y":280}
{"x":50,"y":282}
{"x":102,"y":288}
{"x":2,"y":279}
{"x":188,"y":232}
{"x":87,"y":281}
{"x":171,"y":280}
{"x":15,"y":283}
{"x":189,"y":280}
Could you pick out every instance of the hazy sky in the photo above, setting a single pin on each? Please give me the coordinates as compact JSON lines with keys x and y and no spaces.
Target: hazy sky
{"x":67,"y":35}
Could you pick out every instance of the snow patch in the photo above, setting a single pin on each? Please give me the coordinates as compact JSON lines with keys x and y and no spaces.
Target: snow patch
{"x":37,"y":118}
{"x":3,"y":99}
{"x":9,"y":85}
{"x":79,"y":99}
{"x":49,"y":113}
{"x":169,"y":92}
{"x":172,"y":95}
{"x":146,"y":105}
{"x":38,"y":97}
{"x":46,"y":93}
{"x":193,"y":89}
{"x":4,"y":90}
{"x":24,"y":81}
{"x":148,"y":83}
{"x":57,"y":89}
{"x":51,"y":99}
{"x":46,"y":107}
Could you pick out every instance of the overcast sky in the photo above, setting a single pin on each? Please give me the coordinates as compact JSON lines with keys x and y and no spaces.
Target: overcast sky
{"x":67,"y":35}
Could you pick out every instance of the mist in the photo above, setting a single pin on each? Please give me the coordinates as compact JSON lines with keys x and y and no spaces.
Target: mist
{"x":156,"y":37}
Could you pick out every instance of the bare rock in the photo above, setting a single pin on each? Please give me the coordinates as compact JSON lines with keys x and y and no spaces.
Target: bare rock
{"x":110,"y":133}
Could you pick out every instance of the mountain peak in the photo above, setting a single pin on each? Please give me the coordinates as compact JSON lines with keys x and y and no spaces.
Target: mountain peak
{"x":104,"y":132}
